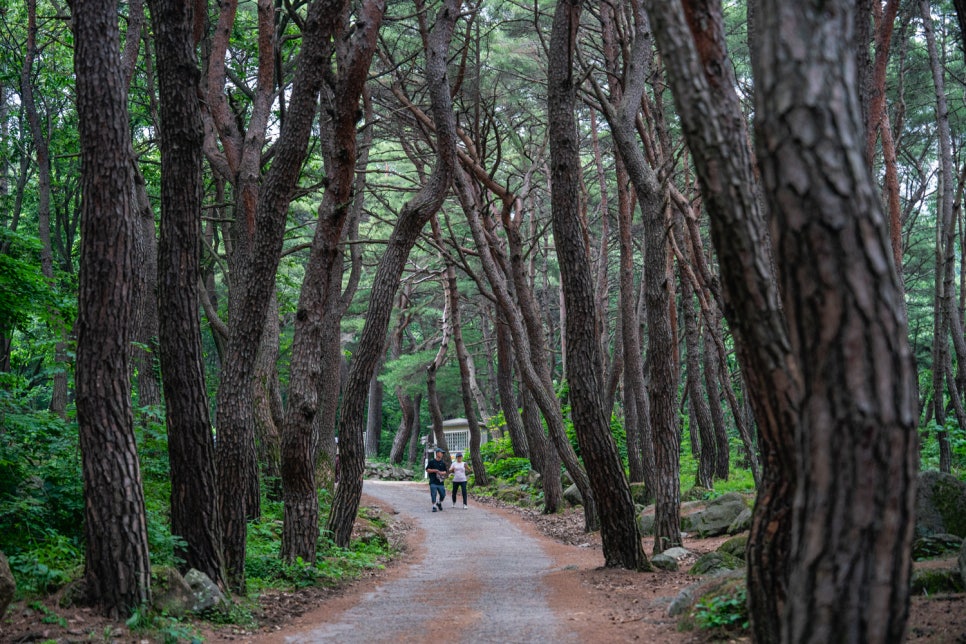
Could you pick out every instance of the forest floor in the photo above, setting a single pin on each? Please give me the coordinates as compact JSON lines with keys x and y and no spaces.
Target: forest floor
{"x":592,"y":603}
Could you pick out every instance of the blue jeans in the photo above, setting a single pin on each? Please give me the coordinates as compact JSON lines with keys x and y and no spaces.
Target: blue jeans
{"x":437,"y":488}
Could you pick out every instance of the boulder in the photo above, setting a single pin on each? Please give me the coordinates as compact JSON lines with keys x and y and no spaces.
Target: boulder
{"x":726,"y":583}
{"x":645,"y":523}
{"x":664,"y":562}
{"x":7,"y":585}
{"x":962,"y":563}
{"x":172,"y":594}
{"x":735,"y":546}
{"x":717,"y":517}
{"x":936,"y":545}
{"x":206,"y":593}
{"x":678,"y":553}
{"x":741,"y":523}
{"x":572,"y":494}
{"x":713,"y":562}
{"x":941,"y":505}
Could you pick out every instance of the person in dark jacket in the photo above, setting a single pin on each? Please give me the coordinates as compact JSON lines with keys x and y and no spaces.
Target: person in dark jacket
{"x":436,"y":468}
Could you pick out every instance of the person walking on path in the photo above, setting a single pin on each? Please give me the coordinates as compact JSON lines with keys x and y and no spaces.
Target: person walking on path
{"x":459,"y":471}
{"x":436,"y":468}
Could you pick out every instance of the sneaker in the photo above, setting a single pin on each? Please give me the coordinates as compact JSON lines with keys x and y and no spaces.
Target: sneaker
{"x":464,"y":506}
{"x":454,"y":504}
{"x":440,"y":506}
{"x":434,"y":508}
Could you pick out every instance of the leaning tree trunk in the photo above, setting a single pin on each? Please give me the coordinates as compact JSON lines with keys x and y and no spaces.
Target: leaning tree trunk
{"x":414,"y":215}
{"x":195,"y":515}
{"x":320,"y":301}
{"x":619,"y":534}
{"x":542,"y":453}
{"x":508,"y":401}
{"x":117,"y":563}
{"x":855,"y":435}
{"x":690,"y":37}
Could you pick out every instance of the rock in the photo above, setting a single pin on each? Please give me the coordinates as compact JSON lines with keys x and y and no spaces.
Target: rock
{"x":936,"y":545}
{"x":677,"y":553}
{"x":727,"y":582}
{"x":172,"y":594}
{"x":717,"y":518}
{"x":932,"y":581}
{"x":7,"y":585}
{"x":664,"y":562}
{"x":735,"y":546}
{"x":741,"y":523}
{"x":962,"y":562}
{"x":645,"y":523}
{"x":941,"y":505}
{"x":572,"y":494}
{"x":715,"y":562}
{"x":206,"y":593}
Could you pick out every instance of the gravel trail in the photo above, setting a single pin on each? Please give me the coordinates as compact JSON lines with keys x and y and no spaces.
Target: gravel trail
{"x":479,"y":579}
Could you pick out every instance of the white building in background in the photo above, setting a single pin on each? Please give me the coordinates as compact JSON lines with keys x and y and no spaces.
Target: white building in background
{"x":457,"y":433}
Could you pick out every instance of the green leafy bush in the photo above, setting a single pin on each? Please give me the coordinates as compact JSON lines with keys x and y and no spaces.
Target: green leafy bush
{"x":725,"y":611}
{"x":508,"y":468}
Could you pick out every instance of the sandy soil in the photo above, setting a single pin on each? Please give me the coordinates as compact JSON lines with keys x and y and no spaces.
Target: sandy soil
{"x":593,"y":603}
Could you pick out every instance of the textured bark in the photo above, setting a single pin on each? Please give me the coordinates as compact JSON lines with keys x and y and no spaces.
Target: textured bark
{"x":117,"y":564}
{"x":374,"y":415}
{"x":855,"y":436}
{"x":237,"y":466}
{"x":661,"y":441}
{"x":619,"y":534}
{"x":518,"y":307}
{"x":320,"y":303}
{"x":195,"y":513}
{"x":690,"y":37}
{"x":414,"y":215}
{"x":722,"y":462}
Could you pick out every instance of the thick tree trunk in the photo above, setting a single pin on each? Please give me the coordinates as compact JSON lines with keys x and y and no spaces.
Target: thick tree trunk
{"x":619,"y":533}
{"x":412,"y":218}
{"x":194,"y":503}
{"x":117,"y":563}
{"x":404,"y":431}
{"x":690,"y":37}
{"x":855,"y":435}
{"x":320,"y":301}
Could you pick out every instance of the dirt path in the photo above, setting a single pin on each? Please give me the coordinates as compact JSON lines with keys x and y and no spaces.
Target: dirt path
{"x":477,"y":572}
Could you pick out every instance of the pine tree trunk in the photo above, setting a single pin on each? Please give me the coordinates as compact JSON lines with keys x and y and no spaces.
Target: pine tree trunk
{"x":118,"y":566}
{"x":619,"y":533}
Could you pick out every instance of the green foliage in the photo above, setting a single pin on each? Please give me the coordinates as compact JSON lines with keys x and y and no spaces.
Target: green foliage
{"x":508,"y":468}
{"x":494,"y":450}
{"x":23,"y":290}
{"x":162,"y":628}
{"x":723,"y":611}
{"x":41,"y":493}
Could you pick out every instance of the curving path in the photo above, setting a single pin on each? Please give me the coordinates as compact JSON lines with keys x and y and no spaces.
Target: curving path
{"x":479,"y":579}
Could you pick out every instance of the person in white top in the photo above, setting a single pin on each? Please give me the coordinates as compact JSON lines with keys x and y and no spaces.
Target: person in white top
{"x":459,"y":471}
